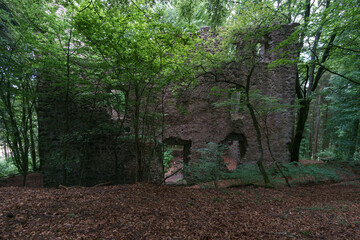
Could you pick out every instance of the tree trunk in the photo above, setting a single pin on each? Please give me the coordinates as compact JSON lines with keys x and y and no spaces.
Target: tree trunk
{"x":317,"y":127}
{"x":354,"y":138}
{"x":300,"y":126}
{"x":32,"y":145}
{"x":257,"y":130}
{"x":267,"y":135}
{"x":310,"y":137}
{"x":312,"y":80}
{"x":325,"y":135}
{"x":6,"y":152}
{"x":259,"y":145}
{"x":24,"y":179}
{"x":26,"y":113}
{"x":138,"y":157}
{"x":67,"y":112}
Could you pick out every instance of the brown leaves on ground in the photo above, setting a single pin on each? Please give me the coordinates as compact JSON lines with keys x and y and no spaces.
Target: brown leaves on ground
{"x":146,"y":211}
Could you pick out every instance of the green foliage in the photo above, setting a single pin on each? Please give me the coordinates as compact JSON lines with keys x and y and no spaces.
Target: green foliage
{"x":306,"y":233}
{"x":195,"y":13}
{"x":168,"y":157}
{"x":126,"y":47}
{"x":7,"y":168}
{"x":304,"y":152}
{"x":326,"y":155}
{"x":248,"y":174}
{"x":206,"y":171}
{"x":17,"y":86}
{"x":307,"y":173}
{"x":344,"y":111}
{"x":140,"y":54}
{"x":210,"y":166}
{"x":262,"y":103}
{"x":191,"y":203}
{"x":297,"y":173}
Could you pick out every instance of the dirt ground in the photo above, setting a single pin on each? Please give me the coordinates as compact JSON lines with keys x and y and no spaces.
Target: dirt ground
{"x":144,"y":211}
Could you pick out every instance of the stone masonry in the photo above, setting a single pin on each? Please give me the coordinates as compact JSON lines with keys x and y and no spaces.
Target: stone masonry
{"x":194,"y":119}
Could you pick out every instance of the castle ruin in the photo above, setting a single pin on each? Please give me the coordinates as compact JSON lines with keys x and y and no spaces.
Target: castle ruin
{"x":192,"y":119}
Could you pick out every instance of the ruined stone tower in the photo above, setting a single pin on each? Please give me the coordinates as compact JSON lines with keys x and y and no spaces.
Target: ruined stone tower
{"x":200,"y":121}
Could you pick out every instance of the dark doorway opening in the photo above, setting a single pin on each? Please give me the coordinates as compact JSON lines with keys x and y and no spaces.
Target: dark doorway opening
{"x":180,"y":151}
{"x":237,"y":146}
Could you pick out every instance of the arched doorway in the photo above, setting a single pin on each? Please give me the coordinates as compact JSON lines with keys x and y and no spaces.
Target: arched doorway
{"x":237,"y":146}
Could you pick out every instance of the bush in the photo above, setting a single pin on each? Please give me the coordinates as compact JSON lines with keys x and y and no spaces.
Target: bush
{"x":7,"y":168}
{"x":210,"y":166}
{"x":248,"y":174}
{"x":326,"y":155}
{"x":311,"y":172}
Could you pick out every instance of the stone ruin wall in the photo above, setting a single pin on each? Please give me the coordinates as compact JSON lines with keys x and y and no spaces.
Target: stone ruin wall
{"x":199,"y":121}
{"x":95,"y":155}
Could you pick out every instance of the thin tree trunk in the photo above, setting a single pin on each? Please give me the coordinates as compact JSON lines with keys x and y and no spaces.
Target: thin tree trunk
{"x":300,"y":126}
{"x":25,"y":155}
{"x":310,"y":137}
{"x":259,"y":145}
{"x":137,"y":136}
{"x":24,"y":179}
{"x":257,"y":130}
{"x":355,"y":132}
{"x":311,"y":121}
{"x":163,"y":133}
{"x":32,"y":144}
{"x":116,"y":170}
{"x":6,"y":152}
{"x":67,"y":117}
{"x":146,"y":126}
{"x":317,"y":127}
{"x":267,"y":135}
{"x":326,"y":137}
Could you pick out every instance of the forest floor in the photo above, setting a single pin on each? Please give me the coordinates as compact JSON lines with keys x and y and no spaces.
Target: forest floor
{"x":145,"y":211}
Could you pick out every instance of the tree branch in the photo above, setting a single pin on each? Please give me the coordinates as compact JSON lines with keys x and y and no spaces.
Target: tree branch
{"x":174,"y":173}
{"x":338,"y":74}
{"x":346,"y":49}
{"x":324,"y":58}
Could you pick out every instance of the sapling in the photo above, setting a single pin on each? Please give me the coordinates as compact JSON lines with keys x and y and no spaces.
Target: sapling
{"x":211,"y":163}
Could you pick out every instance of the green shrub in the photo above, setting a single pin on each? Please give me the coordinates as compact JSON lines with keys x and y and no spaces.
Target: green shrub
{"x":326,"y":155}
{"x":299,"y":173}
{"x":210,"y":166}
{"x":247,"y":174}
{"x":7,"y":168}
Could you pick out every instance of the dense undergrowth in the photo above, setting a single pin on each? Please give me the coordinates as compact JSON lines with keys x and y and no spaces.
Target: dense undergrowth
{"x":211,"y":169}
{"x":295,"y":173}
{"x":7,"y":168}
